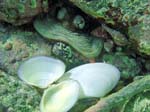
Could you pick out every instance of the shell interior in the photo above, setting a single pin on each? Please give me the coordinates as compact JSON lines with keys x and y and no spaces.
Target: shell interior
{"x":60,"y":97}
{"x":41,"y":71}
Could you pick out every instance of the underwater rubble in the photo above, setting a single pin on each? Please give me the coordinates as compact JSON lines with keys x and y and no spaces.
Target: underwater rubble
{"x":76,"y":32}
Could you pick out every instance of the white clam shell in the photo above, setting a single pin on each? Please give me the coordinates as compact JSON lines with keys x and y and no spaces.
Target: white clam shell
{"x":60,"y":97}
{"x":41,"y":71}
{"x":96,"y":79}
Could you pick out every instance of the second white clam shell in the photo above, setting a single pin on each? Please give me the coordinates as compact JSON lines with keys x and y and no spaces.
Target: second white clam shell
{"x":95,"y":79}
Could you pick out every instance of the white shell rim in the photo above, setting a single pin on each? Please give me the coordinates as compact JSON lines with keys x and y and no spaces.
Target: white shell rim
{"x":19,"y":72}
{"x":57,"y":85}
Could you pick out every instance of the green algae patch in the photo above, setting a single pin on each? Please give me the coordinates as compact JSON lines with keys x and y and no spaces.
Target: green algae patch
{"x":111,"y":10}
{"x":33,"y":4}
{"x":127,"y":65}
{"x":88,"y":46}
{"x":138,"y":103}
{"x":139,"y":36}
{"x":15,"y":96}
{"x":18,"y":12}
{"x":17,"y":45}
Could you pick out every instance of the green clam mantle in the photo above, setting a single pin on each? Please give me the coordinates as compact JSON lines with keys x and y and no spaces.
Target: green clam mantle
{"x":88,"y":80}
{"x":88,"y":46}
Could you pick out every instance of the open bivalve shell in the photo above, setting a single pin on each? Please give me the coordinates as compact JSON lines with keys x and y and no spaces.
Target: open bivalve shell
{"x":41,"y":71}
{"x":60,"y":97}
{"x":95,"y":79}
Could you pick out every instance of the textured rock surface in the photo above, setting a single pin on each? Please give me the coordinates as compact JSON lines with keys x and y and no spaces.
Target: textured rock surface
{"x":24,"y":44}
{"x":20,"y":12}
{"x":128,"y":66}
{"x":113,"y":11}
{"x":15,"y":96}
{"x":138,"y":103}
{"x":139,"y":36}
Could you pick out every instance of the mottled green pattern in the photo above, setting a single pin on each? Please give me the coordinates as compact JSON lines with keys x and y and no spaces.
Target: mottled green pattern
{"x":19,"y":12}
{"x":67,"y":54}
{"x":139,"y":103}
{"x":139,"y":35}
{"x":17,"y":45}
{"x":15,"y":96}
{"x":128,"y":66}
{"x":123,"y":10}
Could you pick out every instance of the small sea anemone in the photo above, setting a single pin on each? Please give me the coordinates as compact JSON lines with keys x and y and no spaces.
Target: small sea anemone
{"x":79,"y":22}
